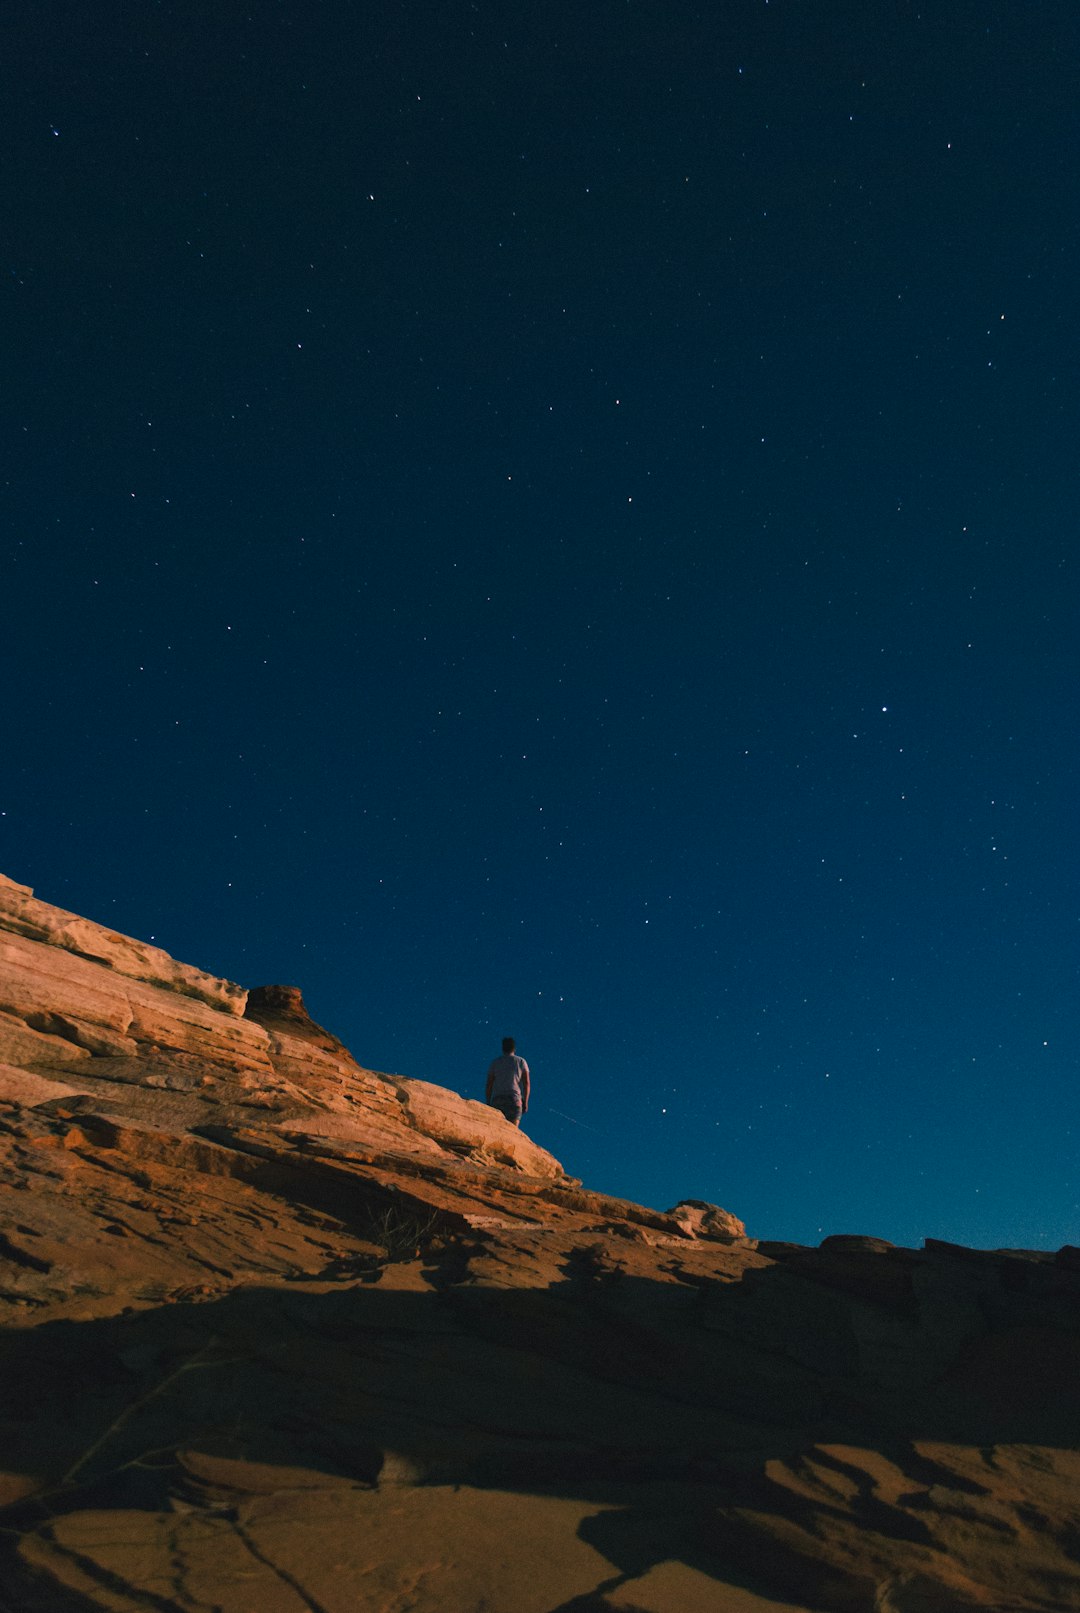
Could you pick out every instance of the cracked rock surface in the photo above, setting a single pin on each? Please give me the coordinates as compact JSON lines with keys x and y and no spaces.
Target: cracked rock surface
{"x":279,"y":1334}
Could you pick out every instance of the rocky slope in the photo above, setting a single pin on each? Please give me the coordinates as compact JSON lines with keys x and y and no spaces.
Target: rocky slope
{"x":283,"y":1334}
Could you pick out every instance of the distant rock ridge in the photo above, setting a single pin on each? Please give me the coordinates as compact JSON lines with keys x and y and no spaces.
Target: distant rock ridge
{"x":281,"y":1332}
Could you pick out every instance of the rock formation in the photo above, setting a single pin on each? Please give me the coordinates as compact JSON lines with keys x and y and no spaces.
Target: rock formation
{"x":284,"y":1334}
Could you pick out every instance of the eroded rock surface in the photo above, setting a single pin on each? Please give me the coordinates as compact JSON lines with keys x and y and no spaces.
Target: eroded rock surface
{"x":280,"y":1333}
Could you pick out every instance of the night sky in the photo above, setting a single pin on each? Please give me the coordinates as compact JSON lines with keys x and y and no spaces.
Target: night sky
{"x":558,"y":520}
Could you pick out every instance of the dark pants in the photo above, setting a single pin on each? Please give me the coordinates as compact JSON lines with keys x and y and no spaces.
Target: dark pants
{"x":509,"y":1107}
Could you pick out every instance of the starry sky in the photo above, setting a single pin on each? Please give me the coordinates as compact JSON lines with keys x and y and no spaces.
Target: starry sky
{"x":560,"y":520}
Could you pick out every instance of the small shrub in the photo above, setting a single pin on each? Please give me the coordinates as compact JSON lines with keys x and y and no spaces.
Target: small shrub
{"x":400,"y":1231}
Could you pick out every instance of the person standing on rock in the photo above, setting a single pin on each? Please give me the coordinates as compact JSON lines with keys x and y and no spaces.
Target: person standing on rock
{"x":508,"y":1083}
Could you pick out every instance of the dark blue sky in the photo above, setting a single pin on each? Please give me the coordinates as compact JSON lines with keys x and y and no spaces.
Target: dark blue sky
{"x":561,"y":520}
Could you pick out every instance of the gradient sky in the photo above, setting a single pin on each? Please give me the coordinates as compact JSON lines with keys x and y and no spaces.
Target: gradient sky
{"x":561,"y":520}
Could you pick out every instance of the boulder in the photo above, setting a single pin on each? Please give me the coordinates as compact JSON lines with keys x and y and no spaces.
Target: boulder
{"x":704,"y":1220}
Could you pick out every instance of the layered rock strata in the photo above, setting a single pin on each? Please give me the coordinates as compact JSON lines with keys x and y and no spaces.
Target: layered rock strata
{"x":280,"y":1333}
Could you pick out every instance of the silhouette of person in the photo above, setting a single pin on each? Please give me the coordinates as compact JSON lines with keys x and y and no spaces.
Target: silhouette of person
{"x":508,"y":1083}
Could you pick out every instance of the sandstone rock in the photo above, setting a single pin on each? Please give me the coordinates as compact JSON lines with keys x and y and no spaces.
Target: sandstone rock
{"x":280,"y":1332}
{"x":706,"y":1220}
{"x":22,"y":915}
{"x":471,"y":1129}
{"x":281,"y":1008}
{"x":22,"y":1045}
{"x":779,"y":1249}
{"x":53,"y":991}
{"x":939,"y":1529}
{"x":24,"y":1087}
{"x":846,"y":1241}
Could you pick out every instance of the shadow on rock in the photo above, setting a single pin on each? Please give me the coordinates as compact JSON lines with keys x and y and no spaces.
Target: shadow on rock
{"x":733,"y":1426}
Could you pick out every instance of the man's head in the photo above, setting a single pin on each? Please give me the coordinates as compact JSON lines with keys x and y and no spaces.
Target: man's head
{"x":508,"y":1044}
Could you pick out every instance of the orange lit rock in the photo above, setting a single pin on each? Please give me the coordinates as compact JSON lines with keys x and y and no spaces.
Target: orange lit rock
{"x":279,"y":1332}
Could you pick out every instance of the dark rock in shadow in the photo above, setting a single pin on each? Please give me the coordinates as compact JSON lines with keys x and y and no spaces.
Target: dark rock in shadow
{"x":689,"y":1410}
